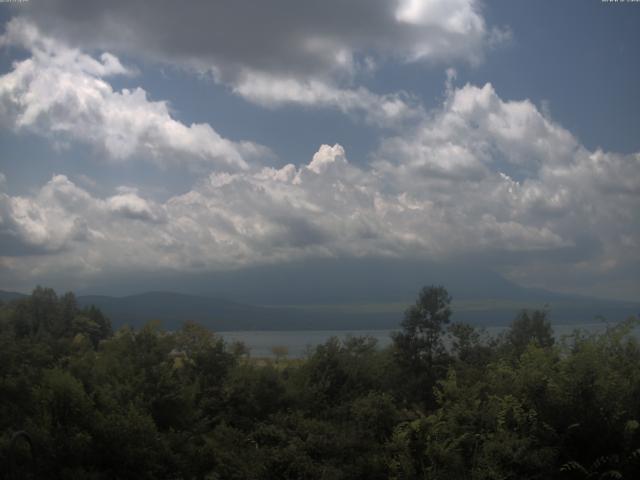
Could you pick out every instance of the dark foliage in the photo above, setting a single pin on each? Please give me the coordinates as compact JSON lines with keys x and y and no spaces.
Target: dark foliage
{"x":445,"y":401}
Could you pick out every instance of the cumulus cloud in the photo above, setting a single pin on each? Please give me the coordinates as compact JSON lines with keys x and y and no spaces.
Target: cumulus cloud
{"x":327,"y":207}
{"x":48,"y":222}
{"x":130,"y":205}
{"x":481,"y":177}
{"x":477,"y":133}
{"x":63,"y":93}
{"x":282,"y":51}
{"x":504,"y":163}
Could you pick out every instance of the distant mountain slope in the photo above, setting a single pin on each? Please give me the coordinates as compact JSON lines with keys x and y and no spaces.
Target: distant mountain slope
{"x":9,"y":296}
{"x":332,"y":281}
{"x":223,"y":315}
{"x":174,"y":308}
{"x":326,"y":281}
{"x":219,"y":314}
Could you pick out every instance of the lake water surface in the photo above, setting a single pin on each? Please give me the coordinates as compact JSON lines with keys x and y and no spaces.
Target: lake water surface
{"x":300,"y":342}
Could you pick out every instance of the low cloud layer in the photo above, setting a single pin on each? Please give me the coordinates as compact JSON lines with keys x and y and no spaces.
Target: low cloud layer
{"x":439,"y":192}
{"x":480,"y":177}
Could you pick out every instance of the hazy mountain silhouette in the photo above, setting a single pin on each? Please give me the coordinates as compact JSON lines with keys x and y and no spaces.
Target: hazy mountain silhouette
{"x":323,"y":281}
{"x":9,"y":296}
{"x":172,"y":309}
{"x":332,"y":294}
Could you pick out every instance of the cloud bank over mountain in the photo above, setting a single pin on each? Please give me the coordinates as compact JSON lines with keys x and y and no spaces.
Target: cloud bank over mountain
{"x":478,"y":177}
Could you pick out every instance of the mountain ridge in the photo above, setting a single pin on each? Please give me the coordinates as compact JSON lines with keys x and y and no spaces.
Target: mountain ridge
{"x":221,"y":314}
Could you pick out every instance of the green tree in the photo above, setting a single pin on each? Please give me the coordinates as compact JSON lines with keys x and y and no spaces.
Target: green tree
{"x":529,"y":327}
{"x":421,"y":338}
{"x":419,"y":348}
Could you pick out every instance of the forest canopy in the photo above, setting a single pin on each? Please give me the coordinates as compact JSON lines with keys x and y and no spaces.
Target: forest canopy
{"x":443,"y":401}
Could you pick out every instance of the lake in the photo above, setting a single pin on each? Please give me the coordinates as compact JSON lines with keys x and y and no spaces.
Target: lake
{"x":299,"y":342}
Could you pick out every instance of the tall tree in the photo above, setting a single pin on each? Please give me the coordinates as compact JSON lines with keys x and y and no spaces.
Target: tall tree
{"x":418,"y":348}
{"x":421,"y":338}
{"x":530,"y":327}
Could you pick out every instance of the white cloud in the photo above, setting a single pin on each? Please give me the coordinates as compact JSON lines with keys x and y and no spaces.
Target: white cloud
{"x":476,"y":134}
{"x":328,"y":207}
{"x":481,"y":178}
{"x":47,"y":222}
{"x":458,"y":16}
{"x":490,"y":162}
{"x":62,"y":93}
{"x":390,"y":110}
{"x":454,"y":21}
{"x":326,"y":157}
{"x":132,"y":206}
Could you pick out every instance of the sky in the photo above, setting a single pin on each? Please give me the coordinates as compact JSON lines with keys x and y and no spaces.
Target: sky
{"x":174,"y":139}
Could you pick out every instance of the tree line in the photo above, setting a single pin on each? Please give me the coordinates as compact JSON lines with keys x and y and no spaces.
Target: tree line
{"x":443,"y":401}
